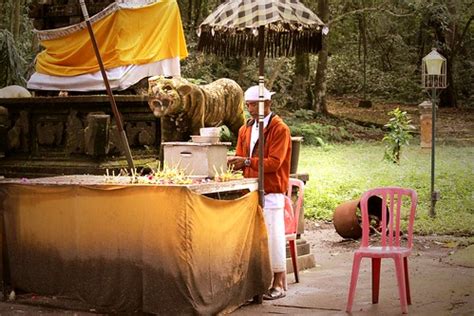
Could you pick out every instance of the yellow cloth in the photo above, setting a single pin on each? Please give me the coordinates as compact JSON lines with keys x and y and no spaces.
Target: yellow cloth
{"x":125,"y":37}
{"x":162,"y":250}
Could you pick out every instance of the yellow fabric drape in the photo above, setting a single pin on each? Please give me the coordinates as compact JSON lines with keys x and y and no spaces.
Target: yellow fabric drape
{"x":125,"y":37}
{"x":163,"y":250}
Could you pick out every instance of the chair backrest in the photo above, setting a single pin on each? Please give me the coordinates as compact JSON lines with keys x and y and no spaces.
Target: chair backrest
{"x":395,"y":201}
{"x":292,"y":210}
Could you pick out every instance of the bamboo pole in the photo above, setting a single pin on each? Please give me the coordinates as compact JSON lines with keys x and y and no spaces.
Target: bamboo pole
{"x":261,"y":139}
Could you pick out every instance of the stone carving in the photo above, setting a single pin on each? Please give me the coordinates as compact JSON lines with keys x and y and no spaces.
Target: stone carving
{"x":18,"y":134}
{"x":185,"y":107}
{"x":146,"y":138}
{"x":96,"y":134}
{"x":115,"y":140}
{"x":74,"y":134}
{"x":49,"y":133}
{"x":44,"y":131}
{"x":141,"y":133}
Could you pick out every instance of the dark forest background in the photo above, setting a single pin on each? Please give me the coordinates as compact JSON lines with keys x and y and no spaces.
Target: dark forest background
{"x":373,"y":52}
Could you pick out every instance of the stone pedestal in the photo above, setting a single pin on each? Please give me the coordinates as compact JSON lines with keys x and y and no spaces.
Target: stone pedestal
{"x":295,"y":153}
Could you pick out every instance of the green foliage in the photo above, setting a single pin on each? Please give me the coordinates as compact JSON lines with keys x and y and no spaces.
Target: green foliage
{"x":12,"y":63}
{"x":16,"y":54}
{"x":399,"y":33}
{"x":319,"y":134}
{"x":304,"y":114}
{"x":343,"y":172}
{"x":345,"y":78}
{"x":322,"y":130}
{"x":398,"y":135}
{"x":343,"y":75}
{"x":226,"y":135}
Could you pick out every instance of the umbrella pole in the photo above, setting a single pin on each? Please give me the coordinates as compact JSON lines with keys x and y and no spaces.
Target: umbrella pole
{"x":118,"y":119}
{"x":261,"y":140}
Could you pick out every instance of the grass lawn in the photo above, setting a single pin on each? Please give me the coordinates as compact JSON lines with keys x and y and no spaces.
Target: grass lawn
{"x":342,"y":172}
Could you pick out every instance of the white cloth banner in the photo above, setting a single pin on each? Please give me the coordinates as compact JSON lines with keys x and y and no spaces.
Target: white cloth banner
{"x":120,"y":78}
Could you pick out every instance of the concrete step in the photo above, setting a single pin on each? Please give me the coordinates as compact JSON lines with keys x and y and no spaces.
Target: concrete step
{"x":306,"y":260}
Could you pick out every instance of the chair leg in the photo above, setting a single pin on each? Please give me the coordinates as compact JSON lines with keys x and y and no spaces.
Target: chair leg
{"x":401,"y":283}
{"x":294,"y":259}
{"x":376,"y":262}
{"x":353,"y":284}
{"x":407,"y":279}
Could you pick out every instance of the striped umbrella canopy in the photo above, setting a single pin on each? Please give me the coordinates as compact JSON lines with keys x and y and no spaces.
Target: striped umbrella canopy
{"x":233,"y":29}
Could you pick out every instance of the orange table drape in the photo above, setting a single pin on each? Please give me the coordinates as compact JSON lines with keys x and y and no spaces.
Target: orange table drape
{"x":162,"y":250}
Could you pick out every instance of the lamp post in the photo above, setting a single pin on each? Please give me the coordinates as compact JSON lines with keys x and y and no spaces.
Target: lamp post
{"x":433,"y":79}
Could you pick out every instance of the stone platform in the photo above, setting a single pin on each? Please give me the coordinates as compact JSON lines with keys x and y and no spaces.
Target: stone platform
{"x":45,"y":136}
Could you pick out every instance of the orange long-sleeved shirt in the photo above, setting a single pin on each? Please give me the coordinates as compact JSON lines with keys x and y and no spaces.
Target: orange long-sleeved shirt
{"x":276,"y":154}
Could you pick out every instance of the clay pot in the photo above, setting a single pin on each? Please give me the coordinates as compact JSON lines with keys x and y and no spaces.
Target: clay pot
{"x":348,"y":224}
{"x":346,"y":221}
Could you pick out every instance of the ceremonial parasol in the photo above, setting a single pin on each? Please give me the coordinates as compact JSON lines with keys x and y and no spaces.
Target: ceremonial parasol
{"x":260,"y":28}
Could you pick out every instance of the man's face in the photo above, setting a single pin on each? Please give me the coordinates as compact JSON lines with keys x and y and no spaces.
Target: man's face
{"x":252,"y":107}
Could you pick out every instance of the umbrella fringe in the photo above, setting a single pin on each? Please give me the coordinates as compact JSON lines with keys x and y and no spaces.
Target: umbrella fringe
{"x":277,"y":44}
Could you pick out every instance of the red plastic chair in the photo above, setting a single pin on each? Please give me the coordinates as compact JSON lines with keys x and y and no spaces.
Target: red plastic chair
{"x":395,"y":200}
{"x":292,"y":213}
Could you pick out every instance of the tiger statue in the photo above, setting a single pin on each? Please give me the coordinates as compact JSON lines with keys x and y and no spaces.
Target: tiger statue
{"x":185,"y":107}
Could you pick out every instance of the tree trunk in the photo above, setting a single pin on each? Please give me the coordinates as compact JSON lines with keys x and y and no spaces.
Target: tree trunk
{"x":3,"y":9}
{"x":363,"y":37}
{"x":275,"y":73}
{"x":190,"y":11}
{"x":16,"y":18}
{"x":448,"y":97}
{"x":243,"y":66}
{"x":420,"y":41}
{"x":198,"y":10}
{"x":319,"y":105}
{"x":301,"y":82}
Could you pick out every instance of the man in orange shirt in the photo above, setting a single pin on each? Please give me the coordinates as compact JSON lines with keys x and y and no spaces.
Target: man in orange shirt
{"x":276,"y":165}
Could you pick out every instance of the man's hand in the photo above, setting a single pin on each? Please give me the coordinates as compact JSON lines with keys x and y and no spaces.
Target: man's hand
{"x":236,"y":162}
